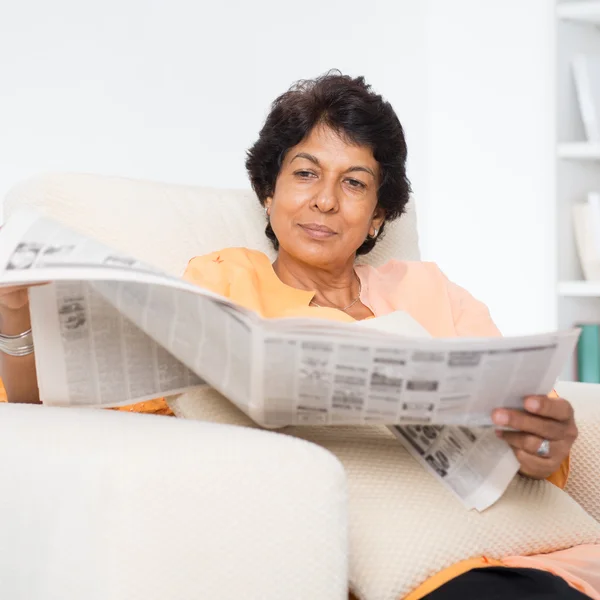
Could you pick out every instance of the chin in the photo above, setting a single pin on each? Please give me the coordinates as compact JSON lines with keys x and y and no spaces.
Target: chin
{"x":316,"y":254}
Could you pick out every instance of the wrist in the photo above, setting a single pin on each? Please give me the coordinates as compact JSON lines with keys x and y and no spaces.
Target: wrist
{"x":14,"y":321}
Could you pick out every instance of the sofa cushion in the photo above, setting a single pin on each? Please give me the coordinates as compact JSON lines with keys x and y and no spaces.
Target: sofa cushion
{"x":169,"y":224}
{"x":584,"y":479}
{"x":404,"y":526}
{"x":100,"y":505}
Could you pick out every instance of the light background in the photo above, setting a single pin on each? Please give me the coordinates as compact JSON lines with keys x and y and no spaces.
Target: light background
{"x":176,"y":91}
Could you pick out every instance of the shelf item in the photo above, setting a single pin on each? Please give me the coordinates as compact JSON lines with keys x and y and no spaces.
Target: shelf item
{"x":589,"y":289}
{"x":584,"y":12}
{"x":586,"y":222}
{"x":586,"y":75}
{"x":579,"y":150}
{"x":588,"y":353}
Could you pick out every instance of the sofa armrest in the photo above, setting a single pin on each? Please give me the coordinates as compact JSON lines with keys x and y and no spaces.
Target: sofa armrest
{"x":584,"y":480}
{"x":100,"y":504}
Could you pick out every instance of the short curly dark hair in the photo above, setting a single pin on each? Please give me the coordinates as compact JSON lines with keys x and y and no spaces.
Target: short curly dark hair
{"x":348,"y":106}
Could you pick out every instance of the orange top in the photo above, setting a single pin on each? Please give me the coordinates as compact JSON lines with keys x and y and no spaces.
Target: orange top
{"x":418,"y":288}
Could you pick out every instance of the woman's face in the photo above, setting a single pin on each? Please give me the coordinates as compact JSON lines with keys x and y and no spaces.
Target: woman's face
{"x":325,"y":200}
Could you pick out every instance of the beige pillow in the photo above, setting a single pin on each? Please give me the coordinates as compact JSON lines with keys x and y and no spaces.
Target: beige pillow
{"x":404,"y":526}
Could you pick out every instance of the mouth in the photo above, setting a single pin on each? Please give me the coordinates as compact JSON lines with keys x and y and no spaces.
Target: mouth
{"x":316,"y":231}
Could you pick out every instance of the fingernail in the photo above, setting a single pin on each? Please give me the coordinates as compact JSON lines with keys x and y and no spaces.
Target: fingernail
{"x":500,"y":417}
{"x":532,"y":404}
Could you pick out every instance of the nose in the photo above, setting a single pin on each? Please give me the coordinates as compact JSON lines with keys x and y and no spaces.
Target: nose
{"x":326,"y":199}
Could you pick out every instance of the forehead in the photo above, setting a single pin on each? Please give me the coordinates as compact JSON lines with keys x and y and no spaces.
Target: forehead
{"x":333,"y":150}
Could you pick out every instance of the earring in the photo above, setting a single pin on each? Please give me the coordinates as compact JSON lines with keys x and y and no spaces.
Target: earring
{"x":372,"y":237}
{"x":267,"y":211}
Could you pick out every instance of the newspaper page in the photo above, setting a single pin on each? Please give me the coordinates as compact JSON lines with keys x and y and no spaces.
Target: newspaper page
{"x":210,"y":338}
{"x":331,"y":378}
{"x":89,"y":354}
{"x":288,"y":371}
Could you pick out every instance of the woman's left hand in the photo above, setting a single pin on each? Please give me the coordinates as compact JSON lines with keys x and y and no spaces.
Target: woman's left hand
{"x":544,"y":418}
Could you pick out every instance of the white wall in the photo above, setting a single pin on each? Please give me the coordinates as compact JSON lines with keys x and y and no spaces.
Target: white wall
{"x":177,"y":91}
{"x":490,"y":215}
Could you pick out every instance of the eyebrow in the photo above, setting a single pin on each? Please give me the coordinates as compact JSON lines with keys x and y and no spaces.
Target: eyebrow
{"x":315,"y":160}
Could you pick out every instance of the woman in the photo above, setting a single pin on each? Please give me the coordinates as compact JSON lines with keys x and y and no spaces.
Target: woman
{"x":329,"y":170}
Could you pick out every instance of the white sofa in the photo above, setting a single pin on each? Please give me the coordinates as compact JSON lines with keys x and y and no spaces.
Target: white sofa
{"x":107,"y":505}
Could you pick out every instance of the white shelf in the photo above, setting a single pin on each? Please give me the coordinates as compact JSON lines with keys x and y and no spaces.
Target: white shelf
{"x":579,"y":150}
{"x":588,"y":289}
{"x":586,"y":12}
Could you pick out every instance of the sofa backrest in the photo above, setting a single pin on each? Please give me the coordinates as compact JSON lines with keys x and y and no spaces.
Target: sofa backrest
{"x":166,"y":225}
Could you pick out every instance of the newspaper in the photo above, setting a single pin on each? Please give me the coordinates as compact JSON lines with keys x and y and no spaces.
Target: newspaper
{"x":110,"y":330}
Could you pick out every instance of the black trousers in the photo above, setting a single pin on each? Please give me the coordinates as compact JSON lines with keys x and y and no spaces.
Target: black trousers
{"x":496,"y":583}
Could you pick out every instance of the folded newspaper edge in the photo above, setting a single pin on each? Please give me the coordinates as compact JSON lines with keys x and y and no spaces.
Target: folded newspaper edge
{"x":110,"y":330}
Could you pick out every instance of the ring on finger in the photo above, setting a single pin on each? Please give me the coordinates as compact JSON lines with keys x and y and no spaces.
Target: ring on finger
{"x":544,"y":450}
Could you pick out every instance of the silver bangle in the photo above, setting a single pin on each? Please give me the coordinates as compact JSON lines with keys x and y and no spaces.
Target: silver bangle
{"x":17,"y":345}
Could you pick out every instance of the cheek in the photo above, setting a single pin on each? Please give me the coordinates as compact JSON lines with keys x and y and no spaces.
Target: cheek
{"x":287,"y":198}
{"x":358,"y":220}
{"x":287,"y":209}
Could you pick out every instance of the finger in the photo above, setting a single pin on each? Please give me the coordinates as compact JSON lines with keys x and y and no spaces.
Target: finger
{"x":525,"y":441}
{"x":548,"y":429}
{"x":531,"y":444}
{"x":534,"y":466}
{"x":558,"y":409}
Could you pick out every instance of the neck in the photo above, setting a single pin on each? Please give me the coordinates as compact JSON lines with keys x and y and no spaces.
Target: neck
{"x":335,"y":286}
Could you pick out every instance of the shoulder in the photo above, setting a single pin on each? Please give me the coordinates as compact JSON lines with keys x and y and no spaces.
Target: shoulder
{"x":416,"y":287}
{"x":424,"y":276}
{"x":227,"y":257}
{"x":216,"y":270}
{"x":419,"y":273}
{"x":424,"y":290}
{"x":417,"y":267}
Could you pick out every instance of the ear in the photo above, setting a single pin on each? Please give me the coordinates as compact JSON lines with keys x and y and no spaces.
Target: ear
{"x":377,"y":220}
{"x":267,"y":204}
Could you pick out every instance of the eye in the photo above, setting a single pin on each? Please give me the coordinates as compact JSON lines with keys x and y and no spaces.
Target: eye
{"x":355,"y":183}
{"x":305,"y":174}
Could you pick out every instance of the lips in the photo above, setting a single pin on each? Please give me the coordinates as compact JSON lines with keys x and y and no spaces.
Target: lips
{"x":317,"y":231}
